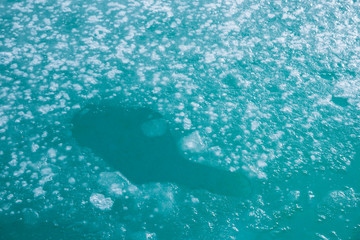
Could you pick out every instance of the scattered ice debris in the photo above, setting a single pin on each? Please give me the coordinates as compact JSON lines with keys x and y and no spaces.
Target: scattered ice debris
{"x":347,"y":198}
{"x":143,"y":236}
{"x":283,"y":98}
{"x":294,"y":195}
{"x":261,"y":163}
{"x":99,"y":201}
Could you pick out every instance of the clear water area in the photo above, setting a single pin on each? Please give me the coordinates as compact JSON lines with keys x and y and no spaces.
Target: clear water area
{"x":267,"y":89}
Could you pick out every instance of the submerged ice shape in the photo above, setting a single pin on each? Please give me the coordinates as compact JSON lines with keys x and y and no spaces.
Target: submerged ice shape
{"x":154,"y":128}
{"x":137,"y":142}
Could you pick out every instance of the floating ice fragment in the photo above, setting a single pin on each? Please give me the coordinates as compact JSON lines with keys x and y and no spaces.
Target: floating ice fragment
{"x":254,"y":125}
{"x":46,"y":171}
{"x":193,"y":143}
{"x":39,"y":192}
{"x":261,"y":163}
{"x":99,"y":201}
{"x":3,"y":120}
{"x":52,"y":153}
{"x":5,"y":58}
{"x":187,"y":123}
{"x":71,"y":180}
{"x":34,"y":147}
{"x":209,"y":57}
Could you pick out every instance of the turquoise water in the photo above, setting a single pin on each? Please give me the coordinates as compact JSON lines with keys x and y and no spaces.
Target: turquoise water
{"x":267,"y":90}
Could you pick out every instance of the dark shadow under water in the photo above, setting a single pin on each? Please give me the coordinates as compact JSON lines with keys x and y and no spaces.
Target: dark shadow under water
{"x":137,"y":142}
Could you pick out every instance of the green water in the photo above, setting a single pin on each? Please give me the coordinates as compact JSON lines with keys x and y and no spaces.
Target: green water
{"x":267,"y":89}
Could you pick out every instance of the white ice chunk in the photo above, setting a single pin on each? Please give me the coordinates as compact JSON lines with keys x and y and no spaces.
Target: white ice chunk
{"x":101,"y":202}
{"x":193,"y":143}
{"x":52,"y":153}
{"x":39,"y":192}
